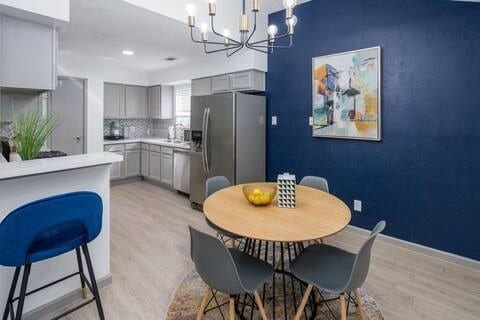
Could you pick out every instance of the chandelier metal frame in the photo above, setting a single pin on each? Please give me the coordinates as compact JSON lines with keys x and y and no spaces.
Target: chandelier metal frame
{"x":231,"y":46}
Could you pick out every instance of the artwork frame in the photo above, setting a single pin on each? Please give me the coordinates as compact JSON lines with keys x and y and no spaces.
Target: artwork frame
{"x":332,"y":113}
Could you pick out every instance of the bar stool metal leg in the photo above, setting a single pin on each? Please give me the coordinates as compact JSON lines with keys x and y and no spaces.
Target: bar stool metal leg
{"x":23,"y":291}
{"x":93,"y":281}
{"x":82,"y":274}
{"x":8,"y":307}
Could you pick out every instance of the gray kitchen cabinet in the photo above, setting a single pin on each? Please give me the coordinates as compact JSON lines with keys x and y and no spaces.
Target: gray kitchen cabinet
{"x":155,"y":166}
{"x":28,"y":52}
{"x":155,"y":101}
{"x":145,"y":163}
{"x":252,"y":80}
{"x":201,"y":87}
{"x":221,"y":83}
{"x":167,"y":166}
{"x":136,"y":102}
{"x":161,"y":102}
{"x":132,"y":161}
{"x":117,"y":169}
{"x":113,"y":101}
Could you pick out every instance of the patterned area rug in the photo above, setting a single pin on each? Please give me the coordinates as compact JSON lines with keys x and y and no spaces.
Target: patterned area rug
{"x":188,"y":296}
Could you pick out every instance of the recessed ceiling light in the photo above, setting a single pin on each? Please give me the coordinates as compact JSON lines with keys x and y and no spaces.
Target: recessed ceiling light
{"x":128,"y":52}
{"x":171,"y":58}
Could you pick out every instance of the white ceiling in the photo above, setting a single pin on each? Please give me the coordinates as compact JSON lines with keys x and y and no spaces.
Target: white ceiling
{"x":154,"y":29}
{"x":100,"y":29}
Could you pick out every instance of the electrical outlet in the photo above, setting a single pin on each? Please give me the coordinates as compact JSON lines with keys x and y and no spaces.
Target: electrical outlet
{"x":274,"y":120}
{"x":310,"y":121}
{"x":357,"y":205}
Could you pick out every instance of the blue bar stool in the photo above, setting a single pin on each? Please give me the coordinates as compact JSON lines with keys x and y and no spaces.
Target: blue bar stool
{"x":45,"y":229}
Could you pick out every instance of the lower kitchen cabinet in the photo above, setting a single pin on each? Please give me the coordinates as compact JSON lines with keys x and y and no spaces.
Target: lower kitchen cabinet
{"x":116,"y":170}
{"x":132,"y":161}
{"x":145,"y":163}
{"x":155,"y":166}
{"x":167,"y":166}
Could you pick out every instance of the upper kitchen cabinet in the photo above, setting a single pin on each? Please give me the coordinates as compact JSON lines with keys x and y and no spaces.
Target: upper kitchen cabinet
{"x":221,"y":83}
{"x":201,"y":87}
{"x":28,"y":52}
{"x":113,"y":101}
{"x":122,"y":101}
{"x":247,"y":81}
{"x":161,"y":102}
{"x":136,"y":102}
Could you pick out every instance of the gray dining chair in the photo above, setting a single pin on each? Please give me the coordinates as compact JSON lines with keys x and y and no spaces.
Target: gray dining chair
{"x":318,"y":183}
{"x":213,"y":185}
{"x":315,"y":182}
{"x":335,"y":270}
{"x":227,"y":270}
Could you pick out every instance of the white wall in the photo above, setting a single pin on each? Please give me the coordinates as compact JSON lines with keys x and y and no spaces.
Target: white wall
{"x":97,"y":73}
{"x":53,"y":9}
{"x":213,"y":64}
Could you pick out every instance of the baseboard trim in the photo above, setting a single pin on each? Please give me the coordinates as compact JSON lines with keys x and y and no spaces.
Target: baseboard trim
{"x":418,"y":248}
{"x":61,"y":302}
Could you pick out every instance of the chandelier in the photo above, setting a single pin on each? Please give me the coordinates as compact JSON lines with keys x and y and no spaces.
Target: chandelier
{"x":231,"y":46}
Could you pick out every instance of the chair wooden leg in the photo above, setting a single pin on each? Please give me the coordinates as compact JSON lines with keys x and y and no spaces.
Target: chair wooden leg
{"x":343,"y":307}
{"x":304,"y":302}
{"x":203,"y":305}
{"x":232,"y":309}
{"x":260,"y":305}
{"x":361,"y":308}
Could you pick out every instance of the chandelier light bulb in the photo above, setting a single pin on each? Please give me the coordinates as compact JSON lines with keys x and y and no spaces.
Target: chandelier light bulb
{"x":292,"y":22}
{"x":203,"y":27}
{"x":272,"y":30}
{"x":226,"y":33}
{"x":212,"y":7}
{"x":289,"y":4}
{"x":191,"y":9}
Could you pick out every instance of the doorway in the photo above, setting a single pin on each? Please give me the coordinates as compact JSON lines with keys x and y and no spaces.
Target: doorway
{"x":69,"y":101}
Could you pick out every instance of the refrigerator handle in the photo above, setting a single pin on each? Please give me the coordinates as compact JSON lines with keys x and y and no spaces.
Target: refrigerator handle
{"x":205,"y":146}
{"x":204,"y":139}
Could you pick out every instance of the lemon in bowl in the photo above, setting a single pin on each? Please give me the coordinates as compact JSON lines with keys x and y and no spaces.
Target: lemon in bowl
{"x":259,"y":194}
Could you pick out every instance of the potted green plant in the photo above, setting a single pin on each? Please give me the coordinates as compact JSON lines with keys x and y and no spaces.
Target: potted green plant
{"x":31,"y":132}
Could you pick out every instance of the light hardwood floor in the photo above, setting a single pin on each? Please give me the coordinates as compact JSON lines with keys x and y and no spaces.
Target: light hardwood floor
{"x":150,"y":257}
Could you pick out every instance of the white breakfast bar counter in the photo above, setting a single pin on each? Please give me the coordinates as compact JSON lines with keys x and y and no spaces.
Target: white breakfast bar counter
{"x":27,"y":181}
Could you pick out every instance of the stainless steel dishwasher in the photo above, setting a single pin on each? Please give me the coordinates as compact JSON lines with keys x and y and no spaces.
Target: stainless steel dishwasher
{"x":181,"y":170}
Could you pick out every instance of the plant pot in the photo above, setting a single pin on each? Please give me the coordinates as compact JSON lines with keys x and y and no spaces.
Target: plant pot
{"x":15,"y":157}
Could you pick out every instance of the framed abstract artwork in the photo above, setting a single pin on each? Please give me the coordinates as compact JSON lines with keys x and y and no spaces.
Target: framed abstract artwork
{"x":347,"y":95}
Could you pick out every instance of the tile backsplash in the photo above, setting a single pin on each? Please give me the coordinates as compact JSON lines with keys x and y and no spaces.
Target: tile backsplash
{"x":138,"y":128}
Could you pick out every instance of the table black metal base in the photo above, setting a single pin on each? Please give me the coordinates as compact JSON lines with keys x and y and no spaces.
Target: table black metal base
{"x":284,"y":286}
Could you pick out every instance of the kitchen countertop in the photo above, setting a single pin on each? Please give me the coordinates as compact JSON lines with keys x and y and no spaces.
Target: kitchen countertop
{"x":155,"y":141}
{"x":11,"y":170}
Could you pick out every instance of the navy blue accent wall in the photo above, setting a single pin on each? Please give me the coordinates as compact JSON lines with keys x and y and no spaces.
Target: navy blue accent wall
{"x":424,"y":176}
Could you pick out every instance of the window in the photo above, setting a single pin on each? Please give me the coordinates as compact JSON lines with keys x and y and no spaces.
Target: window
{"x":183,"y":94}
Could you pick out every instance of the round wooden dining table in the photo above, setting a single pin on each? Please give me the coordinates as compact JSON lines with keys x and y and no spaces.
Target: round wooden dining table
{"x":278,"y":235}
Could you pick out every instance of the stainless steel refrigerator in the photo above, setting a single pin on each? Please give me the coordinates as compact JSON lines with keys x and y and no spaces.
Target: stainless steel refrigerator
{"x":227,"y":139}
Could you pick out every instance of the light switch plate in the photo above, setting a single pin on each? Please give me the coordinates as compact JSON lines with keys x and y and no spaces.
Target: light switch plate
{"x":274,"y":120}
{"x":310,"y":121}
{"x":357,"y":205}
